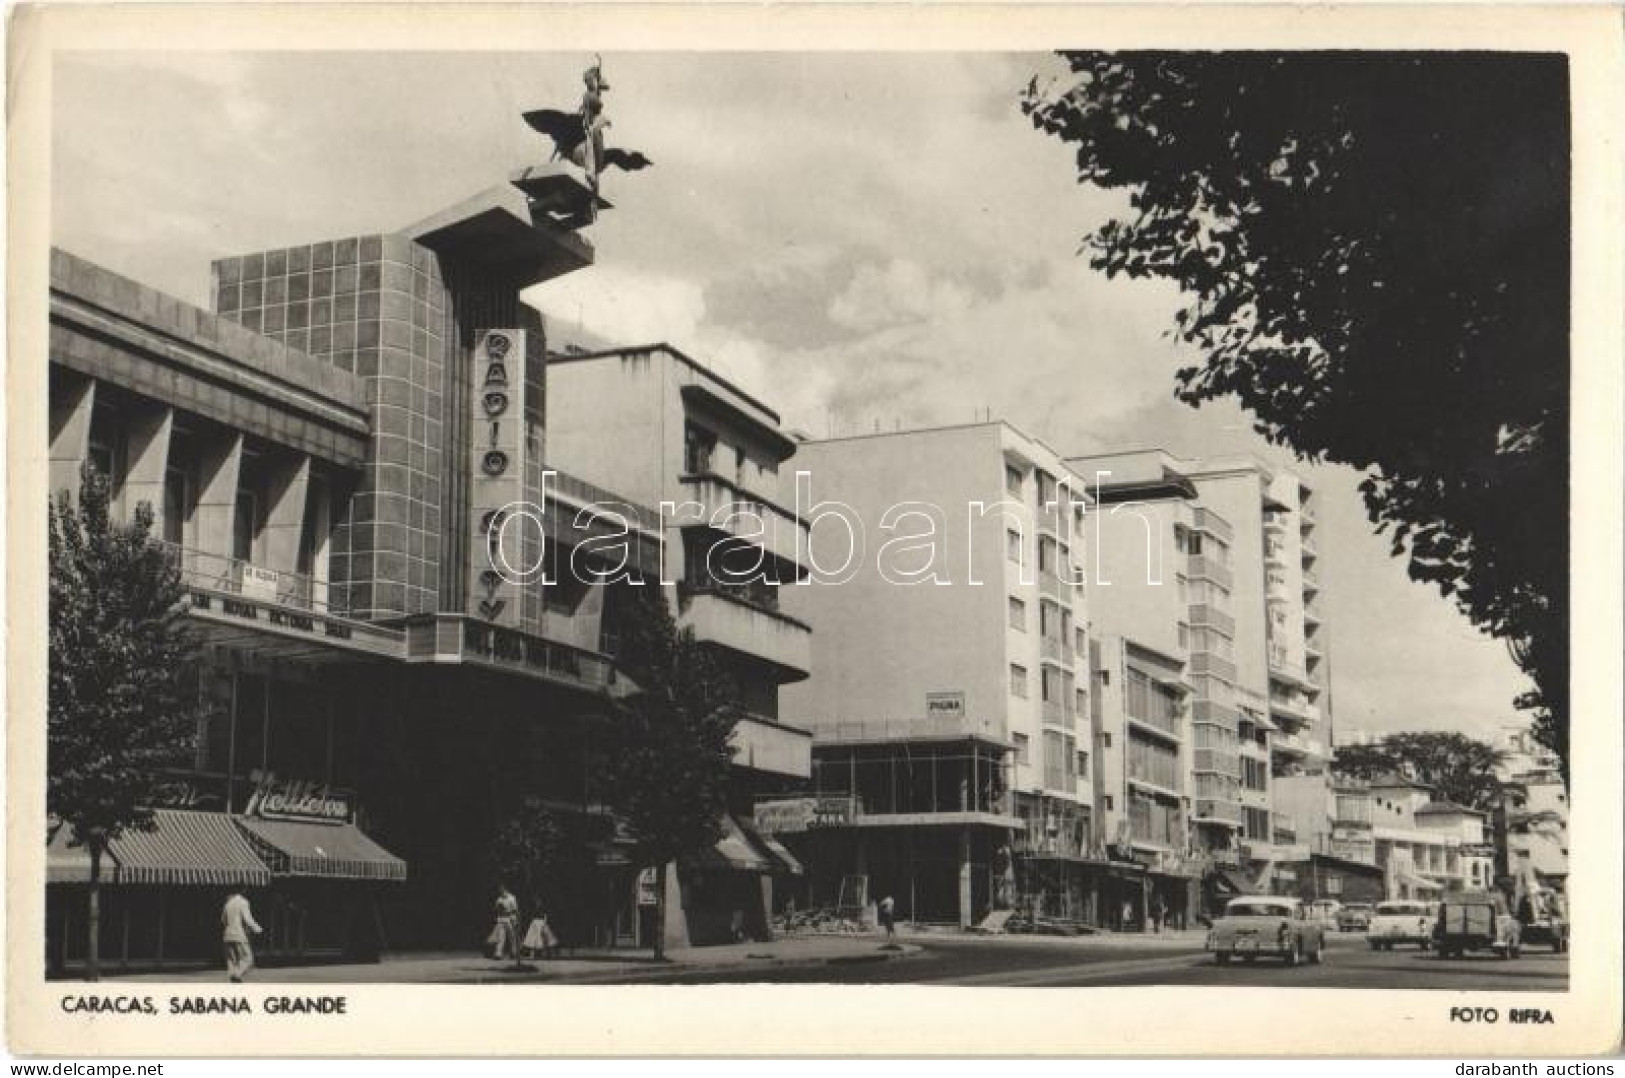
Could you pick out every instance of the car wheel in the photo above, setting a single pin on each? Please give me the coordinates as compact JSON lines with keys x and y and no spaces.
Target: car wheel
{"x":1221,"y":958}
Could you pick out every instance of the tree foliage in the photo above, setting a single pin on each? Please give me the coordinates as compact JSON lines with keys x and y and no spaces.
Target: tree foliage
{"x":122,"y":700}
{"x":1374,"y":250}
{"x":1459,"y":768}
{"x":672,"y":741}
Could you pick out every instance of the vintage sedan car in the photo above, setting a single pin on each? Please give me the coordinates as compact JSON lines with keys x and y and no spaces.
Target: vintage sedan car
{"x":1476,"y":921}
{"x":1354,"y":917}
{"x":1399,"y":922}
{"x":1324,"y":911}
{"x":1257,"y":925}
{"x":1543,"y":919}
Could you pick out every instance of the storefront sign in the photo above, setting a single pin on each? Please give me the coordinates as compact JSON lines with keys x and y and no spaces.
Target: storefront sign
{"x":260,"y":583}
{"x":296,"y":799}
{"x":790,"y":816}
{"x":944,"y":705}
{"x":502,"y":556}
{"x":200,"y":793}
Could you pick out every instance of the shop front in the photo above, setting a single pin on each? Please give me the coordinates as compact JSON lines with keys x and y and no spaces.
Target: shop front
{"x":311,"y":875}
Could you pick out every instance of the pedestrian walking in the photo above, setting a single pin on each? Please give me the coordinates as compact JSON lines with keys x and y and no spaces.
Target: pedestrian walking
{"x":1159,"y":913}
{"x":540,"y":938}
{"x":504,"y":938}
{"x":888,"y":916}
{"x":236,"y":925}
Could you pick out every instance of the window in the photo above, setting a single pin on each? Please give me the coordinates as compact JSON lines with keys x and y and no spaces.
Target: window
{"x":1184,"y":636}
{"x":698,"y":445}
{"x":1108,"y":803}
{"x":1106,"y":743}
{"x":1018,"y":614}
{"x":1012,"y":479}
{"x":1048,"y":555}
{"x":1083,"y":762}
{"x":1047,"y":689}
{"x":1047,"y":493}
{"x":177,"y":505}
{"x":1012,"y":545}
{"x":1018,"y":680}
{"x":1021,"y":741}
{"x":244,"y":526}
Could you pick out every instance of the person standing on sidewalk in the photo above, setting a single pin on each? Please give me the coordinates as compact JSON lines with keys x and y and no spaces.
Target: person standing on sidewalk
{"x":505,"y":932}
{"x":236,"y":923}
{"x":888,"y":916}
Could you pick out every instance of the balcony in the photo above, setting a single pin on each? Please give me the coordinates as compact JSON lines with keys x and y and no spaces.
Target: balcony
{"x":1213,"y":761}
{"x":1204,"y":615}
{"x":1283,"y":668}
{"x":1205,"y":662}
{"x":762,"y":744}
{"x":1306,"y":518}
{"x":1311,"y":582}
{"x":1202,"y":568}
{"x":752,"y":630}
{"x":1311,"y":613}
{"x":1215,"y":714}
{"x":1293,"y":708}
{"x":1223,"y":813}
{"x":1052,"y":586}
{"x":1055,"y":649}
{"x":1310,"y":550}
{"x":726,"y":507}
{"x":1297,"y":746}
{"x":1206,"y":520}
{"x":283,"y":613}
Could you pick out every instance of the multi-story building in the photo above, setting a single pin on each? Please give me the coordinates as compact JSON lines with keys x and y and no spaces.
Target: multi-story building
{"x":333,"y":454}
{"x":1167,"y":755}
{"x":949,"y":699}
{"x":1423,"y":847}
{"x":1532,"y":824}
{"x":664,"y":430}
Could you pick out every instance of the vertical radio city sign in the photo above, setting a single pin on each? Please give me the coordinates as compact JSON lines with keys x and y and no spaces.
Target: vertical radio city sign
{"x":497,"y":461}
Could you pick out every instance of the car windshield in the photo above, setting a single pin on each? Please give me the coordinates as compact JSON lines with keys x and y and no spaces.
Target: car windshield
{"x":1402,"y":909}
{"x":1257,"y":909}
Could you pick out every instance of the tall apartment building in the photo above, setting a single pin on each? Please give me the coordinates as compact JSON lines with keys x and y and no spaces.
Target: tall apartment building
{"x":1532,"y":824}
{"x":325,"y":452}
{"x":1163,"y":767}
{"x":664,"y":430}
{"x":949,"y":696}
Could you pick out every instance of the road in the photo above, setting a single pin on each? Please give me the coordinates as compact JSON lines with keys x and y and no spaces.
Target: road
{"x":1015,"y":962}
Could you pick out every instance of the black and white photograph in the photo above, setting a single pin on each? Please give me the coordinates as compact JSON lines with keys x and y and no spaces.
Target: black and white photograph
{"x":1063,"y":517}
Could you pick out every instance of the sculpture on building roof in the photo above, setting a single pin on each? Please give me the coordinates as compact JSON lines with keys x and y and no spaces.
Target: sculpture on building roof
{"x":578,"y":136}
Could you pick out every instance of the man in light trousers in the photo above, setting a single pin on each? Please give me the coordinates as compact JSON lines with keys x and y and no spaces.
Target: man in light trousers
{"x":237,"y":922}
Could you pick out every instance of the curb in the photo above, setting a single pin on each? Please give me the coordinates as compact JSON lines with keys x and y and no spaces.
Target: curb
{"x":646,"y":972}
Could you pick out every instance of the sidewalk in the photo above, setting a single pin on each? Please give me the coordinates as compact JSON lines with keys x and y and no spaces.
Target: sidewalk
{"x":582,"y":967}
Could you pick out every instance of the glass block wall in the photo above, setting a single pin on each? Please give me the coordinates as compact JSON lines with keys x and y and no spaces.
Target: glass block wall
{"x":377,"y":306}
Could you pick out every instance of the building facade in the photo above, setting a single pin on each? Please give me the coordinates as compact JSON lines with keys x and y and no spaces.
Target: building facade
{"x":949,"y":699}
{"x":328,"y":453}
{"x":667,"y":431}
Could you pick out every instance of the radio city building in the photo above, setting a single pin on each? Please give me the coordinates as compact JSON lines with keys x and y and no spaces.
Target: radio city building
{"x":328,"y":452}
{"x":950,"y":712}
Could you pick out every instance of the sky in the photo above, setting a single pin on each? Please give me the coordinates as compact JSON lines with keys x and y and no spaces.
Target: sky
{"x":861,"y":240}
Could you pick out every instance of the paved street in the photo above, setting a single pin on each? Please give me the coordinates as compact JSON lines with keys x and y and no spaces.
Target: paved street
{"x":1016,"y":962}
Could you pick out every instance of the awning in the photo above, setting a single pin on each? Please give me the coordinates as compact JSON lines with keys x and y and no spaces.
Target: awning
{"x":784,"y":861}
{"x":1234,"y":882}
{"x":184,"y":848}
{"x":733,"y":852}
{"x":1422,"y":883}
{"x":335,"y":851}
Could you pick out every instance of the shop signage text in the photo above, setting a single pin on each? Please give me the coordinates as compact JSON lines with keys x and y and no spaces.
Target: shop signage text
{"x":497,"y":473}
{"x":944,"y":705}
{"x":296,"y":799}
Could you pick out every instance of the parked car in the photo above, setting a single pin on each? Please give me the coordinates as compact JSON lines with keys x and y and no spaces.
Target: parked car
{"x":1401,"y":922}
{"x":1476,"y":921}
{"x":1542,"y":918}
{"x":1324,"y":911}
{"x":1257,"y":925}
{"x":1355,"y":917}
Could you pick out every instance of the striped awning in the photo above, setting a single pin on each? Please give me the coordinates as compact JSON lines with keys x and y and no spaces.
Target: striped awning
{"x":733,"y":852}
{"x":184,"y":848}
{"x":335,"y":851}
{"x":783,"y":860}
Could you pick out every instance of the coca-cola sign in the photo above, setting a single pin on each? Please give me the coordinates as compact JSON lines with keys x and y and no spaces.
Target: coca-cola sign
{"x":296,"y":799}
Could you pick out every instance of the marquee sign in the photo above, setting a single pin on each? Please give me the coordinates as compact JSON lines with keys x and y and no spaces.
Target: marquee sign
{"x":498,"y":555}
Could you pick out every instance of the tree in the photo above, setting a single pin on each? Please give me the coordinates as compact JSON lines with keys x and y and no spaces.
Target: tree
{"x":672,"y":742}
{"x":1375,"y":251}
{"x":1459,"y":768}
{"x":123,"y":702}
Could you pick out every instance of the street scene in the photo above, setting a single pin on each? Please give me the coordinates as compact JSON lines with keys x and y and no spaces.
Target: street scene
{"x":981,"y":520}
